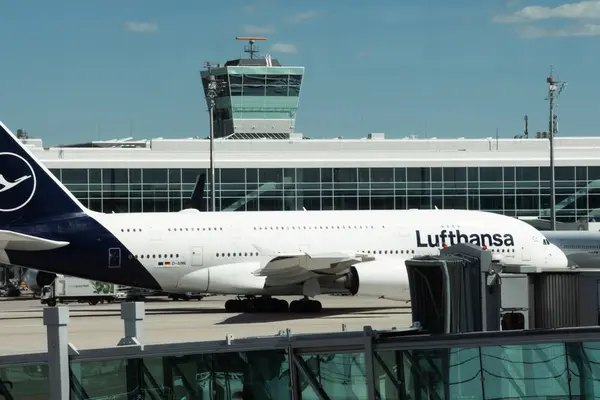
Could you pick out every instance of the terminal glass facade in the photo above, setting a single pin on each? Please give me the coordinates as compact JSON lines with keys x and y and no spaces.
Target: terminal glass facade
{"x":514,"y":191}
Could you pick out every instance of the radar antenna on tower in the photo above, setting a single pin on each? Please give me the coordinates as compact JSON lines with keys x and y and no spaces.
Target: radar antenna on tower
{"x":252,"y":47}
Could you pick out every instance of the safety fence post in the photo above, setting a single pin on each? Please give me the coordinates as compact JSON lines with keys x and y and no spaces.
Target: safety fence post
{"x":56,"y":320}
{"x":133,"y":315}
{"x":369,"y":366}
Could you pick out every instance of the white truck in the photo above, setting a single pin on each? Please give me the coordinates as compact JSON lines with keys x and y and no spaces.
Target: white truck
{"x":67,"y":289}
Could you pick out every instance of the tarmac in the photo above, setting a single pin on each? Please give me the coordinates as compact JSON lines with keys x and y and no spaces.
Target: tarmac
{"x":166,"y":321}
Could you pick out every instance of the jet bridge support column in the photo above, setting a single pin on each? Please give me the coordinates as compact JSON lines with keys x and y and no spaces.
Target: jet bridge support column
{"x":56,"y":320}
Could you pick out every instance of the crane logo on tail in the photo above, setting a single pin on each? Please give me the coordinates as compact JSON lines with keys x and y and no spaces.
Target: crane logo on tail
{"x":9,"y":185}
{"x":17,"y":182}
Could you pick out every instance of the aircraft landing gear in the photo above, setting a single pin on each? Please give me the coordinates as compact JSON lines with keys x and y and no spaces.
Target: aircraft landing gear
{"x":261,"y":304}
{"x":305,"y":305}
{"x":265,"y":304}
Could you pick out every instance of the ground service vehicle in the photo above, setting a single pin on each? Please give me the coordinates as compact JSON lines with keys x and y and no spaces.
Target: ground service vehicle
{"x":67,"y":289}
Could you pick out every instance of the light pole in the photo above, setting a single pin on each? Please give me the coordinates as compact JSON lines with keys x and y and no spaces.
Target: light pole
{"x":211,"y":94}
{"x":554,"y":86}
{"x":551,"y":90}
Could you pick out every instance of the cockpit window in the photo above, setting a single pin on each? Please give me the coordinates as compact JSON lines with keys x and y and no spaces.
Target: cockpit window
{"x":546,"y":242}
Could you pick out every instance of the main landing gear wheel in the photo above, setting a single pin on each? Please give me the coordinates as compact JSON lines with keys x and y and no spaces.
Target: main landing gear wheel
{"x":271,"y":305}
{"x":305,"y":306}
{"x":257,"y":304}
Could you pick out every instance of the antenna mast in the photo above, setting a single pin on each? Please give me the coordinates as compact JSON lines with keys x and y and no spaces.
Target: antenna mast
{"x":252,"y":47}
{"x":555,"y":88}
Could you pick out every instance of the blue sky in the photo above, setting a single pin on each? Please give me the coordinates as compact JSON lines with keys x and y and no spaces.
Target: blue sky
{"x":81,"y":70}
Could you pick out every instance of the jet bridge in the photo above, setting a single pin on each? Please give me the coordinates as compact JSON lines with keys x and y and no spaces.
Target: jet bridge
{"x":457,"y":291}
{"x":462,"y":290}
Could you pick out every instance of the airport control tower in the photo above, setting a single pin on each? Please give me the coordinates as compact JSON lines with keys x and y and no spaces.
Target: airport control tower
{"x":256,"y":97}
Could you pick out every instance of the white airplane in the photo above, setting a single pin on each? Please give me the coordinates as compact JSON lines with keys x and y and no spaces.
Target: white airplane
{"x":573,"y":242}
{"x":254,"y":255}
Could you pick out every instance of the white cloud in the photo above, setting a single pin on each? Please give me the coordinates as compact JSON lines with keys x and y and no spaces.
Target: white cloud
{"x":258,"y":30}
{"x":533,"y":32}
{"x":284,"y":48}
{"x":589,"y":9}
{"x":141,"y":27}
{"x":255,"y":6}
{"x":304,"y":16}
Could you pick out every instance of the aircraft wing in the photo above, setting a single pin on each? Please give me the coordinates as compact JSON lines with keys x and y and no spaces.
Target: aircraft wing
{"x":10,"y":240}
{"x":291,"y":268}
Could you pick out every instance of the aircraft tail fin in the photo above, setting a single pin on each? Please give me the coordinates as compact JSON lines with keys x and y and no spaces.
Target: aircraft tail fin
{"x":28,"y":190}
{"x":196,"y":201}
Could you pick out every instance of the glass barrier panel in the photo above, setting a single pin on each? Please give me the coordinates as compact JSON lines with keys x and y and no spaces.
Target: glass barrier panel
{"x":97,"y":379}
{"x":154,"y":384}
{"x":495,"y":372}
{"x":24,"y":382}
{"x":387,"y":366}
{"x":584,"y":366}
{"x":532,"y":371}
{"x":256,"y":374}
{"x":341,"y":376}
{"x":464,"y":377}
{"x":426,"y":373}
{"x":121,"y":378}
{"x":259,"y":374}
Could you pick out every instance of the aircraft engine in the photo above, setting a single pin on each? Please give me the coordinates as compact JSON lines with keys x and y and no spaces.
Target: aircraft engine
{"x":224,"y":279}
{"x":36,"y":280}
{"x":385,"y":278}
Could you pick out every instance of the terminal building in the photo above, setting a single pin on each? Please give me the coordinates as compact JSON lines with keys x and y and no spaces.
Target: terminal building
{"x":263,"y":164}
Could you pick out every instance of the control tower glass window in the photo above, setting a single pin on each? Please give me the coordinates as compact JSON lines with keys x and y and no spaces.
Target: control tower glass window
{"x":235,"y":79}
{"x":277,"y":85}
{"x":253,"y":90}
{"x":236,"y":90}
{"x":260,"y":85}
{"x":277,"y":90}
{"x":254,"y":85}
{"x":295,"y":80}
{"x":254,"y":79}
{"x":277,"y":80}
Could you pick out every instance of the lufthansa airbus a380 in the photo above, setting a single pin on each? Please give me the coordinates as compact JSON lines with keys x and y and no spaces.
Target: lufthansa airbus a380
{"x":255,"y":255}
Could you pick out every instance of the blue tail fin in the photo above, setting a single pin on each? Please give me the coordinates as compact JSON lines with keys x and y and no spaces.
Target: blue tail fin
{"x":28,"y":191}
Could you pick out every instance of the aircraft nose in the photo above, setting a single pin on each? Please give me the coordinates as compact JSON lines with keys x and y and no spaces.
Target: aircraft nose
{"x":556,"y":258}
